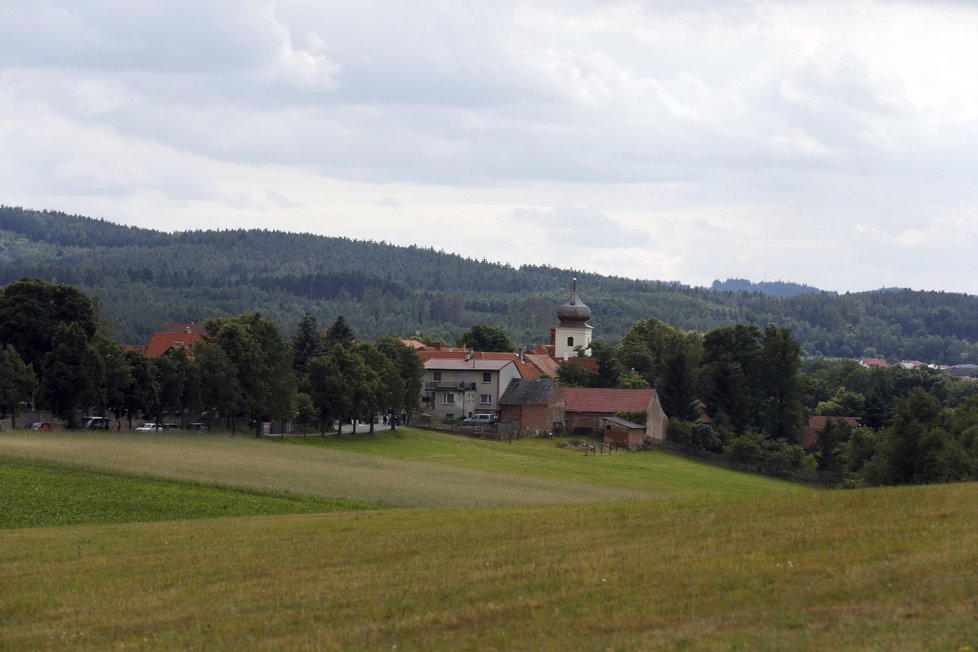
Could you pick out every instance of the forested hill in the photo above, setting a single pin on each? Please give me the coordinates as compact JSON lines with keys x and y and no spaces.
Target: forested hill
{"x":145,"y":278}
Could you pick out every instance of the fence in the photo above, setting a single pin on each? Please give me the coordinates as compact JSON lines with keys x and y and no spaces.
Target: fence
{"x":819,"y":478}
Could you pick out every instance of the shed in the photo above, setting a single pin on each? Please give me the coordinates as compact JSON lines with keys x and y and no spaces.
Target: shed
{"x":622,"y":432}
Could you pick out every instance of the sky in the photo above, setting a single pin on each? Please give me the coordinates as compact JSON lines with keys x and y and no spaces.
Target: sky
{"x":827,"y":143}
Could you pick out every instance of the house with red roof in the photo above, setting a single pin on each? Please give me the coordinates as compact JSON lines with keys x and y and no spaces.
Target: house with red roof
{"x":870,"y":363}
{"x":175,"y":335}
{"x":585,"y":407}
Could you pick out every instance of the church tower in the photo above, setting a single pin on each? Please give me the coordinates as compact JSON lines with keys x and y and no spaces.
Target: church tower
{"x":572,"y":330}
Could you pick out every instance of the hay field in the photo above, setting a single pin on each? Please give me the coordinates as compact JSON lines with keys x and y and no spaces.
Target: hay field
{"x":411,"y":468}
{"x":892,"y":569}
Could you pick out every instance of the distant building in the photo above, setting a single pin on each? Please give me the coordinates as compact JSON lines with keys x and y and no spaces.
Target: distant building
{"x":458,"y":388}
{"x":572,"y":331}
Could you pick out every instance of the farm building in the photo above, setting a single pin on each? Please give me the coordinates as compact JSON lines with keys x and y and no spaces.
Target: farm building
{"x":531,"y":406}
{"x":584,"y":407}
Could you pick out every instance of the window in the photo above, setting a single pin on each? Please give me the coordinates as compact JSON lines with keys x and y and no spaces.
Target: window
{"x":570,"y":341}
{"x":436,"y":376}
{"x":485,"y":398}
{"x":486,"y":377}
{"x":448,"y":398}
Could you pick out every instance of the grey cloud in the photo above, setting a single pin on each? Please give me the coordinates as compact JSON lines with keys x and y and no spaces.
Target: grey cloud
{"x":581,"y":227}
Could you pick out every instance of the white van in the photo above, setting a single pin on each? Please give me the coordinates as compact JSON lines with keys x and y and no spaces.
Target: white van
{"x":481,"y":419}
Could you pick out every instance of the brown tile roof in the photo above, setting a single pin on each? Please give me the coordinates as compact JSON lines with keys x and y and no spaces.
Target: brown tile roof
{"x":808,"y":434}
{"x":163,"y":342}
{"x":544,"y":363}
{"x":590,"y":399}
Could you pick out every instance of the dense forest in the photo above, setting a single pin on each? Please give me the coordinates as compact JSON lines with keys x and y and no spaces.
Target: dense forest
{"x":143,"y":278}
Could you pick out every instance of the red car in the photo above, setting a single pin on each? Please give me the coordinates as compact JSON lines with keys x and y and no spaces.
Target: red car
{"x":44,"y":426}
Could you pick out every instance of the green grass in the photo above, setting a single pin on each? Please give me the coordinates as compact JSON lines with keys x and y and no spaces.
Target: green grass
{"x":411,"y":468}
{"x":652,"y":471}
{"x":581,"y":553}
{"x":40,"y":495}
{"x":891,"y":569}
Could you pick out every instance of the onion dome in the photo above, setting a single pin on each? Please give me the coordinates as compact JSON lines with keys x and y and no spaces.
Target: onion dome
{"x":573,"y":310}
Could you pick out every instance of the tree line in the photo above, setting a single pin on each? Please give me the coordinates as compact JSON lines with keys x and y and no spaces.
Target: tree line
{"x":747,"y":393}
{"x":56,"y":352}
{"x":144,"y":277}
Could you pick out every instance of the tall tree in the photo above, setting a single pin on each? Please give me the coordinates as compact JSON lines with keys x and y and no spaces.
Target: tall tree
{"x":409,"y":368}
{"x":481,"y":337}
{"x":31,"y":311}
{"x":72,"y":373}
{"x":17,"y":382}
{"x":307,"y":343}
{"x":678,"y":387}
{"x":263,"y":363}
{"x":142,"y":393}
{"x":779,"y":382}
{"x":220,"y":391}
{"x":341,"y":333}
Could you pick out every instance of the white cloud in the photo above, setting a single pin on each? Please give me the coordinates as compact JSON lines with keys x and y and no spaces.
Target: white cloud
{"x":824,"y":142}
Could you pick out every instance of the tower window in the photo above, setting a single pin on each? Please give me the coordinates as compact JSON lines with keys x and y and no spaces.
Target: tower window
{"x":570,"y":341}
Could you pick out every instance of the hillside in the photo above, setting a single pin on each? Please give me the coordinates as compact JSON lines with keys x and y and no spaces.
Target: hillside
{"x":144,"y":278}
{"x":773,"y":567}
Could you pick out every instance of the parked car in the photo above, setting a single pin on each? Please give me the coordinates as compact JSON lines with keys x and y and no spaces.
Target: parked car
{"x":481,"y":419}
{"x":149,"y":427}
{"x":44,"y":426}
{"x":171,"y":426}
{"x":96,"y":423}
{"x":196,"y":426}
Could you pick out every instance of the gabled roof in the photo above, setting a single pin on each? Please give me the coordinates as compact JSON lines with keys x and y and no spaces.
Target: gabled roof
{"x":441,"y":364}
{"x":874,"y":362}
{"x":590,"y":399}
{"x":163,"y":342}
{"x":545,"y":364}
{"x":527,"y":370}
{"x":528,"y":392}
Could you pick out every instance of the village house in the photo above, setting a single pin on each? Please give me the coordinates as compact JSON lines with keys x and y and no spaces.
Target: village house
{"x":175,"y":336}
{"x":458,"y":388}
{"x":532,"y":406}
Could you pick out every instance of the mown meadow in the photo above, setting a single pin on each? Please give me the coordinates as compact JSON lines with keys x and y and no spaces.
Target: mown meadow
{"x":644,"y":560}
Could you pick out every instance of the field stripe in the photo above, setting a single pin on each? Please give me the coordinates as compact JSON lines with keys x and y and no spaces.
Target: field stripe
{"x":268,"y":464}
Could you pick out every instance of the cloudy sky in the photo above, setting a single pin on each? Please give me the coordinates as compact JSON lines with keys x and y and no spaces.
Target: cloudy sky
{"x":828,"y":143}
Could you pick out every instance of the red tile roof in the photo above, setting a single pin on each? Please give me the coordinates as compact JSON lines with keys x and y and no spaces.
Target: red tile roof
{"x":589,"y":399}
{"x":875,"y":362}
{"x":163,"y":342}
{"x":544,"y":363}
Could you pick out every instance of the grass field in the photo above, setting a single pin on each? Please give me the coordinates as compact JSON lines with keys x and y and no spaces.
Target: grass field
{"x":753,"y":564}
{"x":407,"y":468}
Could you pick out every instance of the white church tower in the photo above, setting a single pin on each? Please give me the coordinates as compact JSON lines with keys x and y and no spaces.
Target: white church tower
{"x":572,"y":330}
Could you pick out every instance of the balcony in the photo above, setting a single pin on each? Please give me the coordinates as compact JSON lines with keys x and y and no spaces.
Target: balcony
{"x":444,"y":385}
